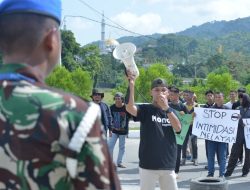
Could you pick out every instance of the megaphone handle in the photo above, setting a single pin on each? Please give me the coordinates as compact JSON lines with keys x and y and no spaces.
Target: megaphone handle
{"x":127,"y":95}
{"x":125,"y":71}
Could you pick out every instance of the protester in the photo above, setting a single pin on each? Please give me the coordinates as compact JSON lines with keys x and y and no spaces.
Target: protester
{"x":233,"y":99}
{"x":188,"y":154}
{"x":97,"y":97}
{"x":190,"y":104}
{"x":214,"y":147}
{"x":240,"y":139}
{"x":209,"y":95}
{"x":236,"y":105}
{"x":40,"y":126}
{"x":157,"y":149}
{"x":210,"y":102}
{"x":119,"y":129}
{"x":176,"y":104}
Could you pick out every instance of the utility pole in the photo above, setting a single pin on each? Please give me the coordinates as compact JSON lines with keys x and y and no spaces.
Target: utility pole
{"x":195,"y":70}
{"x":64,"y":28}
{"x":64,"y":23}
{"x":102,"y":43}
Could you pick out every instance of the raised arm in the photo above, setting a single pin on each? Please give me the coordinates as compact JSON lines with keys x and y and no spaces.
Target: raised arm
{"x":130,"y":106}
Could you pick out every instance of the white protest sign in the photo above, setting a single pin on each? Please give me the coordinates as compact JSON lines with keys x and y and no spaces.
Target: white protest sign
{"x":247,"y":132}
{"x":219,"y":125}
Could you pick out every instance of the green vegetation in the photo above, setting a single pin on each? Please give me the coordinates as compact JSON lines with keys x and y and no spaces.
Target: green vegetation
{"x":78,"y":81}
{"x":215,"y":56}
{"x":213,"y":62}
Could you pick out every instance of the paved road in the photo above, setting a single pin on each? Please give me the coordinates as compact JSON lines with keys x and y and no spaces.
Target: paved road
{"x":129,"y":176}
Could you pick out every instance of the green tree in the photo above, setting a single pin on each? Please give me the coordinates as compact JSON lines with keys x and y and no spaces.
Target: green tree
{"x":248,"y":88}
{"x":83,"y":83}
{"x":77,"y":82}
{"x":91,"y":61}
{"x":70,"y":50}
{"x":60,"y":78}
{"x":112,"y":73}
{"x":221,"y":82}
{"x":221,"y":69}
{"x":192,"y":46}
{"x":199,"y":91}
{"x":215,"y":61}
{"x":143,"y":83}
{"x":149,"y":54}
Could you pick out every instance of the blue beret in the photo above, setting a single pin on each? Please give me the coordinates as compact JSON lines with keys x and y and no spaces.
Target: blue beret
{"x":50,"y":8}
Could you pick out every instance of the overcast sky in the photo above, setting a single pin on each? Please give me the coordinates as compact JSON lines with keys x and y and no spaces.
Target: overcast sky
{"x":146,"y":16}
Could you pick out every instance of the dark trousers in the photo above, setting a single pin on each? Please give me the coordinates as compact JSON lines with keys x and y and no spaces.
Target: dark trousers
{"x":178,"y":161}
{"x":234,"y":156}
{"x":193,"y":144}
{"x":241,"y":154}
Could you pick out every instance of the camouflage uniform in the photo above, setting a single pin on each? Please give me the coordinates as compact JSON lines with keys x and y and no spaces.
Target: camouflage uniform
{"x":36,"y":124}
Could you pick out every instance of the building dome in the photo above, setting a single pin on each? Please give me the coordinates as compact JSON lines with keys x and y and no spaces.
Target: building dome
{"x":111,"y":42}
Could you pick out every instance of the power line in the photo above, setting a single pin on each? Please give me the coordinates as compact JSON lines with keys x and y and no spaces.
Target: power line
{"x":119,"y":26}
{"x":112,"y":26}
{"x":92,"y":8}
{"x":95,"y":10}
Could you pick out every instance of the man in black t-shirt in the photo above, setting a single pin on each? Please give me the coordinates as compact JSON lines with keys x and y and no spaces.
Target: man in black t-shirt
{"x":119,"y":127}
{"x":176,"y":104}
{"x":158,"y":149}
{"x":236,"y":105}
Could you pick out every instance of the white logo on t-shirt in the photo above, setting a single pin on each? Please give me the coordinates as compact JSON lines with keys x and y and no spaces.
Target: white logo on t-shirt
{"x":164,"y":121}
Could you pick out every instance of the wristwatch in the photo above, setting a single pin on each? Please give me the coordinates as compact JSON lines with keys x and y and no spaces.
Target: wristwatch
{"x":169,"y":110}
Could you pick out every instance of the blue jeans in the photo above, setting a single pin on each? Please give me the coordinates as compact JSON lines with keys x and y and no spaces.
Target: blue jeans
{"x":112,"y":142}
{"x":220,"y":149}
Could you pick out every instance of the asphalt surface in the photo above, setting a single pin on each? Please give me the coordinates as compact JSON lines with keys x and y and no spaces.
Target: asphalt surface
{"x":129,"y":176}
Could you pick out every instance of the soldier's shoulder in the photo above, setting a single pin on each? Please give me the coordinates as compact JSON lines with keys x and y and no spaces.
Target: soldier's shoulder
{"x":66,"y":98}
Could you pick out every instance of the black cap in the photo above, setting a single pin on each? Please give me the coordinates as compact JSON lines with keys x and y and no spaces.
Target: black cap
{"x":159,"y":82}
{"x":242,"y":90}
{"x":97,"y":91}
{"x":175,"y":90}
{"x":119,"y":94}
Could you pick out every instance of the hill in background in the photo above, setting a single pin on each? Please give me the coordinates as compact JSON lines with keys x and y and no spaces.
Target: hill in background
{"x":215,"y":46}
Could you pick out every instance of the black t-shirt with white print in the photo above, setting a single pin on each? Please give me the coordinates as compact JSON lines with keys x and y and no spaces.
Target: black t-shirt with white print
{"x":120,"y":120}
{"x":158,"y":149}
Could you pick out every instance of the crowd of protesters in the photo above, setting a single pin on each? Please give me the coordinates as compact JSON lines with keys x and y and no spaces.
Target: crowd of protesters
{"x":183,"y":102}
{"x":69,"y":138}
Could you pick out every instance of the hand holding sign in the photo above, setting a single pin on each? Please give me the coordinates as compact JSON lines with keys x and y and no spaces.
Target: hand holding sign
{"x":247,"y":132}
{"x":185,"y":120}
{"x":216,"y":124}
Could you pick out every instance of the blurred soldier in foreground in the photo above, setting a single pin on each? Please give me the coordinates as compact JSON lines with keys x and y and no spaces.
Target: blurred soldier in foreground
{"x":48,"y":139}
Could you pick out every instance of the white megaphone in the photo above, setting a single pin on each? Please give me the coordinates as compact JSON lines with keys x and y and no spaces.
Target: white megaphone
{"x":125,"y":52}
